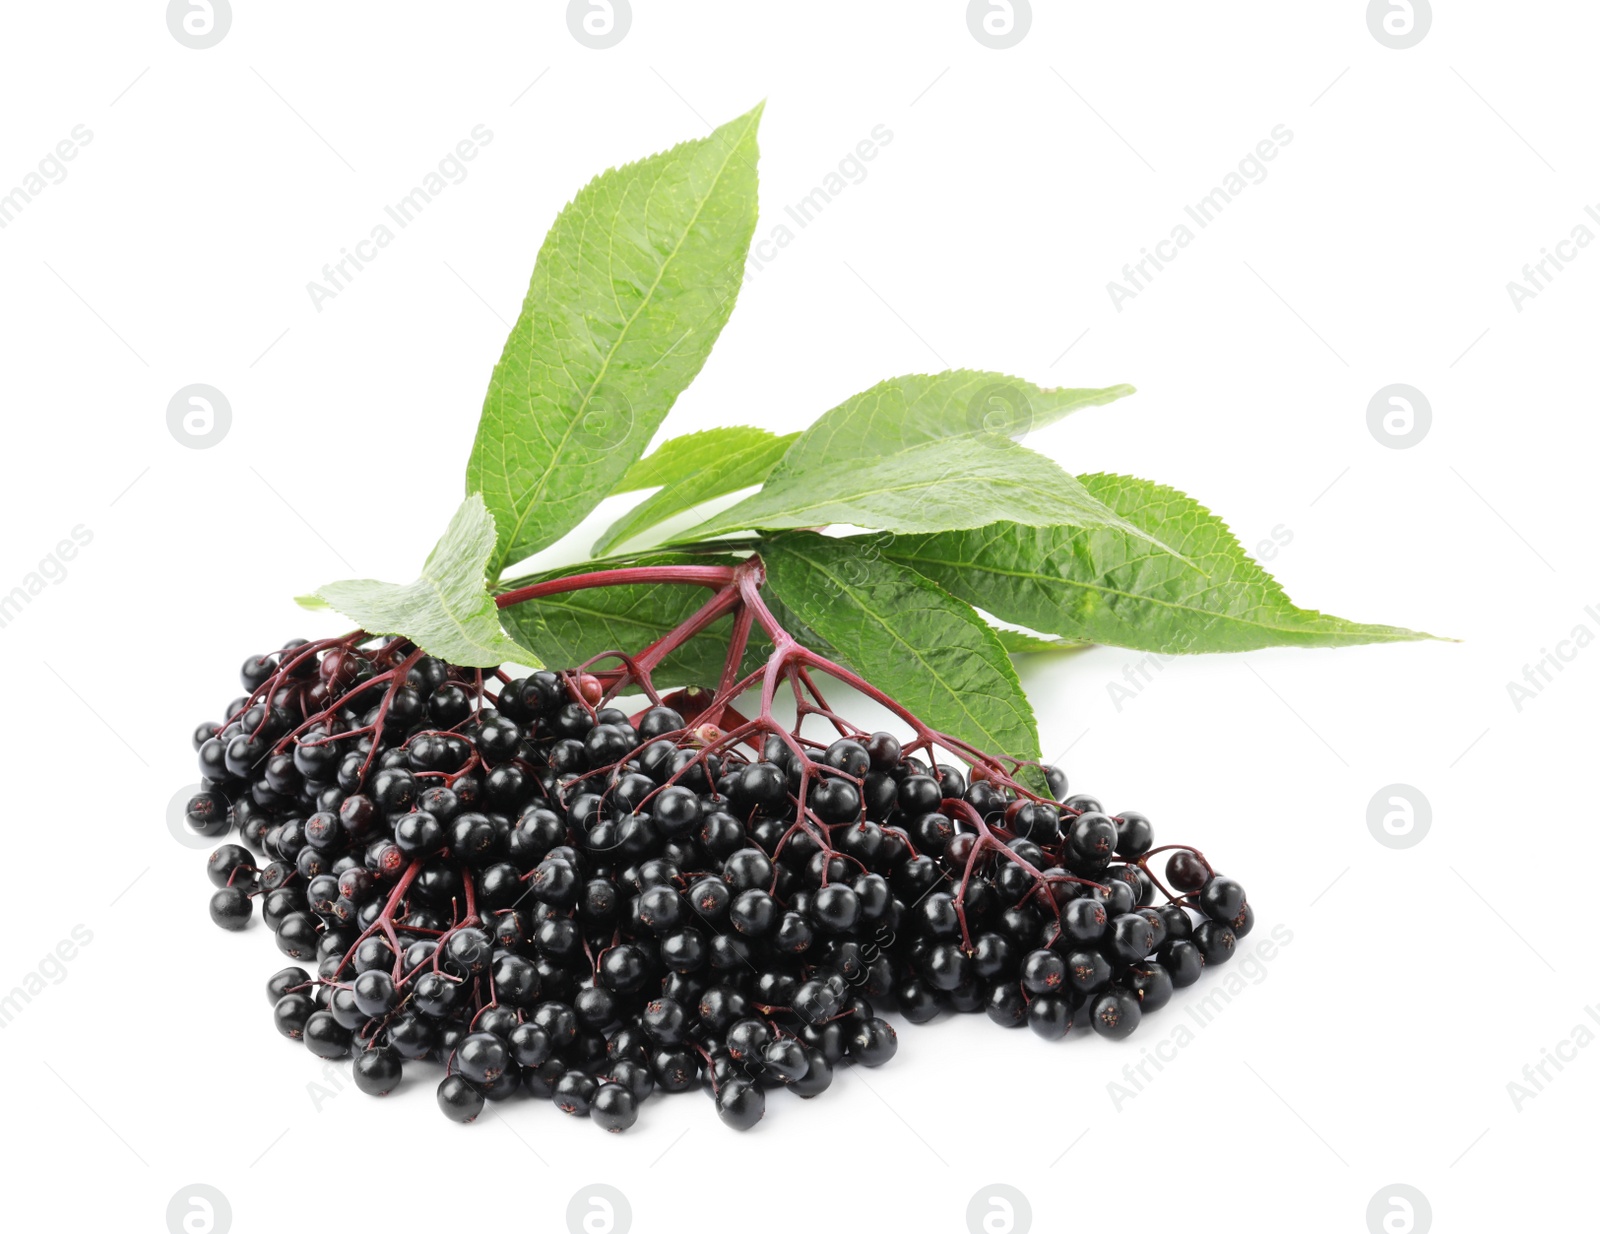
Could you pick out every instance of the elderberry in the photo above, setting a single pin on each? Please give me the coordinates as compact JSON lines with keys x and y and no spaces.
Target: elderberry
{"x":552,"y":895}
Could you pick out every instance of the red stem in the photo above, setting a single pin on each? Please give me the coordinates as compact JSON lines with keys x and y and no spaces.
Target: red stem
{"x":704,"y":576}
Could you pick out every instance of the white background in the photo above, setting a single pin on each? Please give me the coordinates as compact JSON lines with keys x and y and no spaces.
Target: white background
{"x":1376,"y":1048}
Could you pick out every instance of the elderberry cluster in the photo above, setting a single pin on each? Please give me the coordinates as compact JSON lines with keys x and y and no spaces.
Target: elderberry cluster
{"x":547,"y":895}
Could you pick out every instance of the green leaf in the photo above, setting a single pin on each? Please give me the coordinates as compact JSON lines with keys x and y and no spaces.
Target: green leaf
{"x":918,"y":454}
{"x":693,"y":469}
{"x":683,"y":458}
{"x":907,"y":411}
{"x":447,"y":612}
{"x":631,"y":288}
{"x":1020,"y":643}
{"x":573,"y":628}
{"x":911,"y":640}
{"x":1105,"y":586}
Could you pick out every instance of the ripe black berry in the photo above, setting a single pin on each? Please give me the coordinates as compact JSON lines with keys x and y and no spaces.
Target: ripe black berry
{"x":1183,"y":961}
{"x":872,"y":1042}
{"x":837,"y":908}
{"x":1135,"y":835}
{"x":1044,"y":972}
{"x":1216,"y":941}
{"x":290,"y":1014}
{"x":325,"y":1036}
{"x":1151,"y":984}
{"x":459,"y":1100}
{"x":1186,"y":871}
{"x":574,"y":1093}
{"x":614,"y":1107}
{"x":231,"y":908}
{"x":741,"y":1103}
{"x":377,"y":1071}
{"x":1115,"y":1014}
{"x":1091,"y":840}
{"x":523,"y":885}
{"x":1050,"y":1016}
{"x":1132,"y":937}
{"x":1085,"y":920}
{"x":1222,"y":899}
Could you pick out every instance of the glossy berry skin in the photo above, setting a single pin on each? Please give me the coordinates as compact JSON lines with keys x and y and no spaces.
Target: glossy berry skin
{"x":507,"y":1086}
{"x":658,"y":721}
{"x":297,"y":936}
{"x":1176,"y":923}
{"x":1183,"y":960}
{"x":872,"y":1042}
{"x":529,"y":1044}
{"x":1222,"y":899}
{"x":374,"y":993}
{"x":883,"y":751}
{"x":946,"y":966}
{"x":412,"y":1036}
{"x":231,"y":908}
{"x":482,"y":1057}
{"x":764,"y":786}
{"x":835,"y":801}
{"x":919,"y":795}
{"x":818,"y":1076}
{"x":1118,"y":897}
{"x":1132,"y":938}
{"x":230,"y":865}
{"x":674,"y":1069}
{"x":1186,"y":871}
{"x":541,"y":1081}
{"x":574,"y":1093}
{"x":785,"y":1059}
{"x":1091,"y":841}
{"x":290,"y":1013}
{"x":325,"y":1036}
{"x":1216,"y":941}
{"x":516,"y":981}
{"x":256,"y":671}
{"x":676,"y":810}
{"x":1158,"y":925}
{"x":343,"y":1006}
{"x":1088,"y":971}
{"x":746,"y":869}
{"x":1006,"y":1005}
{"x":837,"y":908}
{"x":614,"y":1107}
{"x":1085,"y":920}
{"x":459,"y":1100}
{"x":284,"y":980}
{"x":376,"y":1072}
{"x":636,"y":1077}
{"x":1135,"y":835}
{"x":419,"y":833}
{"x":1115,"y":1014}
{"x":1151,"y":984}
{"x":1044,"y":972}
{"x":741,"y":1103}
{"x":1050,"y":1016}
